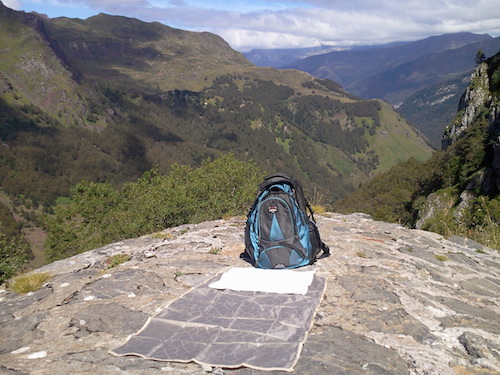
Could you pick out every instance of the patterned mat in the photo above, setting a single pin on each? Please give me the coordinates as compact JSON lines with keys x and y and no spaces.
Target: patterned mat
{"x":226,"y":328}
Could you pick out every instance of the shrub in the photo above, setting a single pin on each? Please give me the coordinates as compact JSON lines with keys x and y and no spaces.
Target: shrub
{"x":12,"y":256}
{"x":100,"y":214}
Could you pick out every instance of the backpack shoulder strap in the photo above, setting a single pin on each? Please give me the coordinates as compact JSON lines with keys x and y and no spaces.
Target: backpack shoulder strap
{"x":326,"y":251}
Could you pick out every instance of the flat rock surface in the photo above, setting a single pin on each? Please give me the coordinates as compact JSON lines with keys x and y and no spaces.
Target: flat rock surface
{"x":398,"y":301}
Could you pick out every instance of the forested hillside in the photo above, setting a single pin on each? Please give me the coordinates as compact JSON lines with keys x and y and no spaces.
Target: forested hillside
{"x":108,"y":98}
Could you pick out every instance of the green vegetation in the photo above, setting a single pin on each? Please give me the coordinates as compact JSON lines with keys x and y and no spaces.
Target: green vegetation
{"x":215,"y":250}
{"x":116,"y":260}
{"x":411,"y":188}
{"x":400,"y":193}
{"x":29,"y":282}
{"x":389,"y":196}
{"x":114,"y":142}
{"x":323,"y":141}
{"x":13,"y":254}
{"x":480,"y":56}
{"x":494,"y":74}
{"x":440,"y":257}
{"x":100,"y":214}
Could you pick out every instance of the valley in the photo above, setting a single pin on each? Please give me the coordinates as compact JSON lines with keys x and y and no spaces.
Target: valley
{"x":107,"y":99}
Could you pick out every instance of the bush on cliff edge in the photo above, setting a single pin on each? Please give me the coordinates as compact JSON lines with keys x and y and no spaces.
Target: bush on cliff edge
{"x":99,"y":214}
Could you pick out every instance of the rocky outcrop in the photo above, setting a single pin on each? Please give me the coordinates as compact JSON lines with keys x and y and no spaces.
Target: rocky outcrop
{"x":477,"y":102}
{"x":474,"y":99}
{"x":398,"y":301}
{"x":472,"y":145}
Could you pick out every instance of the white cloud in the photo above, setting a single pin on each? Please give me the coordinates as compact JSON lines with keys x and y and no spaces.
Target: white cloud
{"x":342,"y":22}
{"x":266,"y":39}
{"x":12,"y":4}
{"x":295,"y":23}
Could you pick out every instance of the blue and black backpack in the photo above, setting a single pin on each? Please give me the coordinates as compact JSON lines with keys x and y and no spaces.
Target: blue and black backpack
{"x":279,"y":233}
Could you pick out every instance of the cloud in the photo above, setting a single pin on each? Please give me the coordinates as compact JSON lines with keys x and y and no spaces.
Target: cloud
{"x":12,"y":4}
{"x":340,"y":22}
{"x":251,"y":39}
{"x":304,"y":23}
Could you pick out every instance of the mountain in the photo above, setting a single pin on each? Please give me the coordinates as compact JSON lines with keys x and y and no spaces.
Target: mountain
{"x":279,"y":57}
{"x":432,"y":108}
{"x":397,"y":83}
{"x":457,"y":191}
{"x":349,"y":67}
{"x":109,"y":98}
{"x":106,"y":98}
{"x":150,"y":56}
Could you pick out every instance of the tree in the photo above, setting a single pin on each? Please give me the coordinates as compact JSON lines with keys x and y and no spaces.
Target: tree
{"x":480,"y":56}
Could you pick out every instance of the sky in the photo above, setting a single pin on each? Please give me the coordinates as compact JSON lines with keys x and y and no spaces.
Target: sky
{"x":263,"y":24}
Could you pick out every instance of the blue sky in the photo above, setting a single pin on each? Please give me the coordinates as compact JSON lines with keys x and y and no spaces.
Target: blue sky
{"x":246,"y":25}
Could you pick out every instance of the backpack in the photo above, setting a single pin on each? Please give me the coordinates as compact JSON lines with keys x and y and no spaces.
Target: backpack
{"x":278,"y":231}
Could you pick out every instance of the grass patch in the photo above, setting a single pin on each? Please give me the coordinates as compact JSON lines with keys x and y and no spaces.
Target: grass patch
{"x":28,"y":282}
{"x":284,"y":143}
{"x":442,"y":258}
{"x":215,"y":250}
{"x":116,"y":260}
{"x":394,"y":142}
{"x":162,"y":235}
{"x":63,"y":200}
{"x":319,"y":209}
{"x":184,"y":231}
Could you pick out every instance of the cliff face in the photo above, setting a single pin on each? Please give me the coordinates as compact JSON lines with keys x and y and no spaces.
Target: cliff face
{"x":398,"y":301}
{"x":480,"y":106}
{"x":471,"y":149}
{"x":476,"y":96}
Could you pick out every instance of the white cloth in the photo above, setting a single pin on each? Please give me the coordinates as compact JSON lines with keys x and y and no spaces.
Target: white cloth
{"x":265,"y":280}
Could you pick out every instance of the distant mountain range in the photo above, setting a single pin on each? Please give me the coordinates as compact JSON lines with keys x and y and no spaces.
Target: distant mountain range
{"x":280,"y":57}
{"x":396,"y":72}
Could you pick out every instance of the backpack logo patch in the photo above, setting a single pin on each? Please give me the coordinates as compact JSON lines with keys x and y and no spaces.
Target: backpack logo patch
{"x":272,"y":209}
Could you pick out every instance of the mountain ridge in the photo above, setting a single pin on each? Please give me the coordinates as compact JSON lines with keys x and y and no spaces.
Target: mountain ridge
{"x":85,"y":103}
{"x":97,"y":74}
{"x":289,"y":55}
{"x":423,"y":71}
{"x":347,"y":67}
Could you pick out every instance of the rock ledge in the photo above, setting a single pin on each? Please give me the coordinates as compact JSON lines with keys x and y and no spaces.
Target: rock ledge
{"x":398,"y":301}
